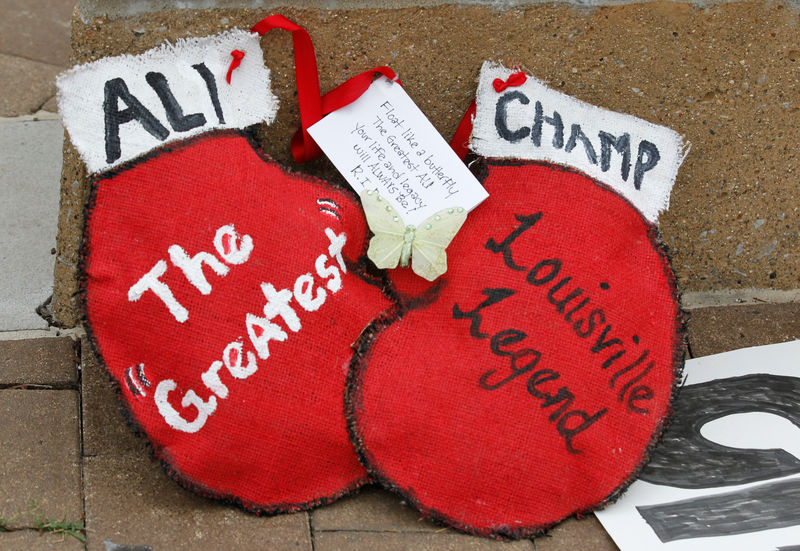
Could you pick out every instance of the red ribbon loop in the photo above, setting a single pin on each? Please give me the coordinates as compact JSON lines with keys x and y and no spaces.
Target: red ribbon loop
{"x":308,"y":94}
{"x":237,"y":60}
{"x":460,"y":141}
{"x":515,"y":79}
{"x":312,"y":105}
{"x":346,"y":93}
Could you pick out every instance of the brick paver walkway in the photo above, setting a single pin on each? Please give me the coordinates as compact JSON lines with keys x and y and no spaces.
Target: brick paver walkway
{"x":68,"y":449}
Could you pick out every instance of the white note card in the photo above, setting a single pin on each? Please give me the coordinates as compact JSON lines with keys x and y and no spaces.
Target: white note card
{"x":383,"y":142}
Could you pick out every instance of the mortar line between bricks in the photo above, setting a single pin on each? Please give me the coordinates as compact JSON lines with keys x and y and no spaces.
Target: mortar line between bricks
{"x":689,"y":347}
{"x":311,"y":530}
{"x":62,"y":67}
{"x":38,"y":116}
{"x":39,"y":107}
{"x":737,"y":297}
{"x":37,"y":386}
{"x":80,"y":452}
{"x":52,"y":332}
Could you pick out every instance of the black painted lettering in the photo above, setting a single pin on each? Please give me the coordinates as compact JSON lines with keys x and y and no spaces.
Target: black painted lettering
{"x":541,"y":376}
{"x":522,"y":362}
{"x":586,"y":421}
{"x":640,"y":394}
{"x":505,"y":338}
{"x":646,"y":159}
{"x":601,"y":343}
{"x":585,"y":327}
{"x":562,"y":396}
{"x":552,"y":267}
{"x":555,"y":121}
{"x":493,"y":296}
{"x":642,"y":357}
{"x":560,"y":304}
{"x":501,"y":117}
{"x":116,"y":90}
{"x":577,"y":134}
{"x":622,"y":145}
{"x":211,"y":85}
{"x":641,"y":375}
{"x":579,"y":306}
{"x":612,"y":358}
{"x":175,"y":116}
{"x":526,"y":223}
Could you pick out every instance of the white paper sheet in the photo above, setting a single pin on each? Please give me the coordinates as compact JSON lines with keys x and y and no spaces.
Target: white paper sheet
{"x":710,"y":506}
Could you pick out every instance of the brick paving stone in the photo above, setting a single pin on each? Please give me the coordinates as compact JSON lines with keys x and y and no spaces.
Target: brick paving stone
{"x":40,"y":456}
{"x":412,"y":541}
{"x":51,"y":105}
{"x":105,"y":430}
{"x":27,"y":540}
{"x":372,"y":509}
{"x":376,"y":510}
{"x":45,"y":361}
{"x":587,"y":534}
{"x":723,"y":328}
{"x":130,"y":501}
{"x":25,"y":85}
{"x":37,"y":29}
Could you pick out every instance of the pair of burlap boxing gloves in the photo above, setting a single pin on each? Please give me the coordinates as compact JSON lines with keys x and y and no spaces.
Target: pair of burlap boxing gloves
{"x":270,"y":364}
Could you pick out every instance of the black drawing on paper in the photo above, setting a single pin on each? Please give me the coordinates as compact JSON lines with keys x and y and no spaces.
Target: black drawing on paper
{"x":685,"y":459}
{"x":764,"y":507}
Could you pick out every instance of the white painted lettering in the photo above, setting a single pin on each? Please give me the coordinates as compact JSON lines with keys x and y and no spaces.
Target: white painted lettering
{"x":172,"y":417}
{"x":332,"y":272}
{"x":232,"y":248}
{"x":232,"y":357}
{"x":304,"y":293}
{"x":211,"y":379}
{"x":150,"y":282}
{"x":336,"y":246}
{"x":192,"y":267}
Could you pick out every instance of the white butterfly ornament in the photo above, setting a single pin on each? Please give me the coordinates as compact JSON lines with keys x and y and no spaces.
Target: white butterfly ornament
{"x":395,"y":242}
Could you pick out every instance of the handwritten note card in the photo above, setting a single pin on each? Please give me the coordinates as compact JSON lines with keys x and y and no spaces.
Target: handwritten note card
{"x":382,"y":141}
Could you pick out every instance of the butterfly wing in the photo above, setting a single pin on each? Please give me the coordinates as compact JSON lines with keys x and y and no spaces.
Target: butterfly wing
{"x":387,"y":243}
{"x":432,"y":237}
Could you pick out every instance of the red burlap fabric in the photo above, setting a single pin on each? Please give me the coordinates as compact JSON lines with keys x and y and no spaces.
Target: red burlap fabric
{"x":532,"y":380}
{"x":242,"y":399}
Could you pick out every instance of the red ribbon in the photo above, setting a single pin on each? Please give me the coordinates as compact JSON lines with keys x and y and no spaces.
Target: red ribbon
{"x":308,"y":94}
{"x":313,"y":106}
{"x":237,"y":60}
{"x":460,"y":141}
{"x":515,"y":79}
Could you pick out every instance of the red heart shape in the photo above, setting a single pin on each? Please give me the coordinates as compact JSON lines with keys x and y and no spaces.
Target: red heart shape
{"x":249,"y":411}
{"x":535,"y":383}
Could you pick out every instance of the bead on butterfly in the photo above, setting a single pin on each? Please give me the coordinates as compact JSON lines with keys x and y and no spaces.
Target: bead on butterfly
{"x":395,"y":243}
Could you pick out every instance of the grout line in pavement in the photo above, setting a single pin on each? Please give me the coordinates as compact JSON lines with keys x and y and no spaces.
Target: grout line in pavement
{"x":81,"y":456}
{"x":738,"y":297}
{"x":310,"y":522}
{"x":25,"y":58}
{"x":52,"y":332}
{"x":35,"y":117}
